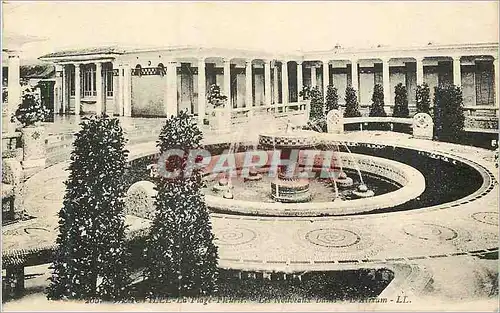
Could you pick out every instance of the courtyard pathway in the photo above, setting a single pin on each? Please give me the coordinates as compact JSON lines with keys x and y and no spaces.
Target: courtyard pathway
{"x":457,"y":230}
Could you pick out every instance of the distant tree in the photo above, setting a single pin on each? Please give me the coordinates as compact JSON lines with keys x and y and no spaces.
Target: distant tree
{"x":400,"y":102}
{"x":449,"y":117}
{"x":332,"y":99}
{"x":423,"y":99}
{"x":351,"y":103}
{"x":377,"y":106}
{"x":91,"y":259}
{"x":181,"y":257}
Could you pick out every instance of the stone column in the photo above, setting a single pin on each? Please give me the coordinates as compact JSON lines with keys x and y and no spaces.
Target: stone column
{"x":227,"y":83}
{"x":386,"y":81}
{"x":326,"y":76}
{"x":115,"y":89}
{"x":300,"y":80}
{"x":98,"y":84}
{"x":284,"y":82}
{"x":313,"y":75}
{"x":127,"y":90}
{"x":14,"y":88}
{"x":120,"y":90}
{"x":457,"y":73}
{"x":354,"y":75}
{"x":65,"y":88}
{"x":496,"y":77}
{"x":78,"y":96}
{"x":171,"y":103}
{"x":275,"y":85}
{"x":248,"y":85}
{"x":57,"y":88}
{"x":420,"y":70}
{"x":201,"y":91}
{"x":267,"y":82}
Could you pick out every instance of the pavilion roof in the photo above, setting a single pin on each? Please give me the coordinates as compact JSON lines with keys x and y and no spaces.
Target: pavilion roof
{"x":85,"y":51}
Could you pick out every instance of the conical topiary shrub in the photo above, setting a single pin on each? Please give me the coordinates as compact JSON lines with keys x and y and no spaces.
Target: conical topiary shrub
{"x":449,"y":116}
{"x":332,"y":99}
{"x":423,"y":99}
{"x":400,"y":102}
{"x":351,"y":103}
{"x":180,"y":255}
{"x":91,"y":259}
{"x":317,"y":119}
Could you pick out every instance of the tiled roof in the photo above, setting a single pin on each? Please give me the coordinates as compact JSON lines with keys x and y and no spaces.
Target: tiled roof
{"x":84,"y":51}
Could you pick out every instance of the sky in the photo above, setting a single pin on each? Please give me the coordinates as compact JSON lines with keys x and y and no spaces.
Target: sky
{"x":268,"y":26}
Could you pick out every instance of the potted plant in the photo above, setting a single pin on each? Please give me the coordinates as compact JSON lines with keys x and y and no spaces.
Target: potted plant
{"x":305,"y":93}
{"x":30,"y":114}
{"x":220,"y":116}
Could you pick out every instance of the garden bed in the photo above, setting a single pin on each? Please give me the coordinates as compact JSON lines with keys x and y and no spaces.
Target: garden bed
{"x":332,"y":286}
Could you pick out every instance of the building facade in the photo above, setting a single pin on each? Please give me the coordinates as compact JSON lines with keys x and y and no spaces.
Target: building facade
{"x":163,"y":81}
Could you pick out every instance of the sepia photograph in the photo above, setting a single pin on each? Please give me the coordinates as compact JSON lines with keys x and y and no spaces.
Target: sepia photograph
{"x":258,"y":156}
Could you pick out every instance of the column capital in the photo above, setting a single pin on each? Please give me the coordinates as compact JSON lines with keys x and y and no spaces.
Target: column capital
{"x":201,"y":59}
{"x":226,"y":60}
{"x":419,"y":58}
{"x":456,"y":57}
{"x":299,"y":62}
{"x":354,"y":60}
{"x":325,"y":61}
{"x":248,"y":61}
{"x":385,"y":59}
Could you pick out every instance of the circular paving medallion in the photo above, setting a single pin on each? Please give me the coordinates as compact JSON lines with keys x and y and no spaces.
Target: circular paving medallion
{"x":234,"y":236}
{"x":56,"y":180}
{"x":36,"y":230}
{"x":54,"y":196}
{"x":430,"y":232}
{"x":333,"y":237}
{"x":490,"y":218}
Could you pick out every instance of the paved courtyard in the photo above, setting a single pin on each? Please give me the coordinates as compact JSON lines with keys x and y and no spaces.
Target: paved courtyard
{"x":438,"y":239}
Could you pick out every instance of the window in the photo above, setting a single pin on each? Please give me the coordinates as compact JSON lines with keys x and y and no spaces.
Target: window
{"x":109,"y":81}
{"x":71,"y":80}
{"x":89,"y":81}
{"x":138,"y":70}
{"x":484,"y":83}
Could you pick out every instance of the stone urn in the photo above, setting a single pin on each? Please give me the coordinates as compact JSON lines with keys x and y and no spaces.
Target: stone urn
{"x":221,"y":120}
{"x":33,"y":143}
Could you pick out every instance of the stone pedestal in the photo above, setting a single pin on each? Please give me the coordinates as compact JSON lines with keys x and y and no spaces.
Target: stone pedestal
{"x":335,"y":122}
{"x":423,"y":127}
{"x":307,"y":104}
{"x":33,"y":142}
{"x":221,"y":120}
{"x":12,"y":178}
